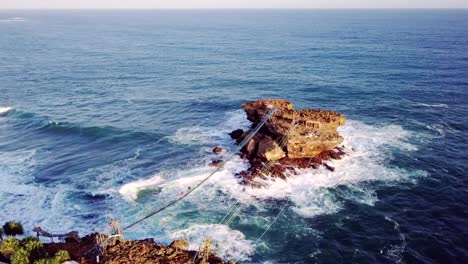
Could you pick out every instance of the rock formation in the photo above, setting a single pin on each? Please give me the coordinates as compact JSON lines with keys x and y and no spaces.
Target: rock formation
{"x":289,"y":139}
{"x":88,"y":250}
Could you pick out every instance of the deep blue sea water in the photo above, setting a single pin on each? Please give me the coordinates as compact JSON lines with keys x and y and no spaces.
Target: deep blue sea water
{"x":114,"y":113}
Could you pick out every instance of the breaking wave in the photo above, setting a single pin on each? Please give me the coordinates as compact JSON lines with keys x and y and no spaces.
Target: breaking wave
{"x":312,"y":192}
{"x":196,"y":135}
{"x":5,"y":110}
{"x":19,"y":196}
{"x":228,"y":243}
{"x":432,"y":105}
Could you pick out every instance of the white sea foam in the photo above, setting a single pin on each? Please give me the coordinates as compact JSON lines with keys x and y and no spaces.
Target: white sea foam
{"x":228,"y":243}
{"x":4,"y":110}
{"x":432,"y":105}
{"x":130,"y":190}
{"x":21,"y":198}
{"x":395,"y":252}
{"x":208,"y":135}
{"x":312,"y":192}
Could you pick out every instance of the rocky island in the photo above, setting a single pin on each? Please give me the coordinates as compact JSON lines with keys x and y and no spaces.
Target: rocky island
{"x":289,"y":139}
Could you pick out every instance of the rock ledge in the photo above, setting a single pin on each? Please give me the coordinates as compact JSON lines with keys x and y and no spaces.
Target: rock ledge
{"x":289,"y":139}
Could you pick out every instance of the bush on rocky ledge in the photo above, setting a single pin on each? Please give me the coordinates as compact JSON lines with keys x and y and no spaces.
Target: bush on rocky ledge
{"x":13,"y":228}
{"x":28,"y":249}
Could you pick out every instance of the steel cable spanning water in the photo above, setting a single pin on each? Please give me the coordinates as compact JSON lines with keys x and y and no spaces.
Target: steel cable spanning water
{"x":241,"y":145}
{"x":235,"y":209}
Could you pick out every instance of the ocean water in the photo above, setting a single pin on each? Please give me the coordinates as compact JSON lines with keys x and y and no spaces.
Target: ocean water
{"x":114,"y":113}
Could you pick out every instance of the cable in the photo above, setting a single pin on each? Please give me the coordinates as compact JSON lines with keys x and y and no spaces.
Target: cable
{"x":241,"y":145}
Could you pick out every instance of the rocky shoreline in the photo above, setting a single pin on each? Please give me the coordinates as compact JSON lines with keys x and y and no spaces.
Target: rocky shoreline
{"x":291,"y":139}
{"x":95,"y":248}
{"x":91,"y":249}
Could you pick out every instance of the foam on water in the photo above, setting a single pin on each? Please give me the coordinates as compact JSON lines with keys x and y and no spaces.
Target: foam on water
{"x":21,"y":198}
{"x":5,"y":109}
{"x":227,"y":243}
{"x":432,"y":105}
{"x":196,"y":135}
{"x":130,"y":190}
{"x":395,"y":252}
{"x":312,"y":192}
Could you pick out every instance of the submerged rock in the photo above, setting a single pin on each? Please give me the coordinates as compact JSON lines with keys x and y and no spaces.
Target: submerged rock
{"x":290,"y":138}
{"x":236,"y":134}
{"x":217,"y":150}
{"x":215,"y":163}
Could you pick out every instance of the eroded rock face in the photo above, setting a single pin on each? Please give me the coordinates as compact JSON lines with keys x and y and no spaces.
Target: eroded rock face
{"x":129,"y":251}
{"x":217,"y":150}
{"x":307,"y":132}
{"x":290,"y":138}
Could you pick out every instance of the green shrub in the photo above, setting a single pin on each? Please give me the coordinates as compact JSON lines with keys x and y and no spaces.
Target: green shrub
{"x":1,"y":233}
{"x":62,"y":256}
{"x":42,"y":261}
{"x":46,"y":261}
{"x":34,"y":247}
{"x":21,"y":256}
{"x":26,"y":240}
{"x":13,"y":228}
{"x":9,"y":246}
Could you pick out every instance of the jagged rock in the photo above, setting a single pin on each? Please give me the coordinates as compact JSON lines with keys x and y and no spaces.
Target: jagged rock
{"x":269,"y":150}
{"x":217,"y":150}
{"x":330,"y":168}
{"x":87,"y":251}
{"x":290,"y":138}
{"x":180,"y":244}
{"x":264,"y":148}
{"x":215,"y":163}
{"x":236,"y":134}
{"x":307,"y":132}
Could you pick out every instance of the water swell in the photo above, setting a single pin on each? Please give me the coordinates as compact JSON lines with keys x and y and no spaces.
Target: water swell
{"x":13,"y":19}
{"x":5,"y":110}
{"x":42,"y":124}
{"x":435,"y":105}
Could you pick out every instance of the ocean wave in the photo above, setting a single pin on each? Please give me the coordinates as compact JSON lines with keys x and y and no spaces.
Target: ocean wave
{"x":312,"y":192}
{"x":13,"y":19}
{"x":21,"y":197}
{"x":227,"y":243}
{"x":130,"y":190}
{"x":5,"y":110}
{"x":432,"y":105}
{"x":90,"y":131}
{"x":34,"y":121}
{"x":395,"y":252}
{"x":199,"y":135}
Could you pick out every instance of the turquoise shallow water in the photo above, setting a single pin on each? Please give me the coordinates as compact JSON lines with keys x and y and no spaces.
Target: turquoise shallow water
{"x":114,"y":113}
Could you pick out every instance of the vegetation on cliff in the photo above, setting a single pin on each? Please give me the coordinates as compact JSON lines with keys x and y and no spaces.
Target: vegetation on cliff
{"x":96,"y":248}
{"x":28,"y":249}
